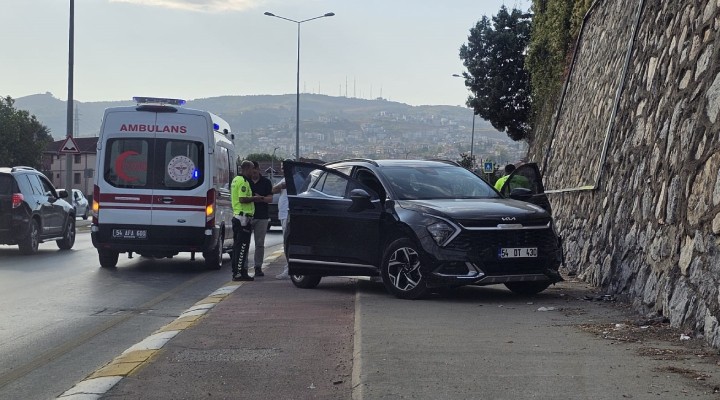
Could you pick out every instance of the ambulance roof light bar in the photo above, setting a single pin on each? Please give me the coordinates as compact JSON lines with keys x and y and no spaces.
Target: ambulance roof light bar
{"x":158,"y":100}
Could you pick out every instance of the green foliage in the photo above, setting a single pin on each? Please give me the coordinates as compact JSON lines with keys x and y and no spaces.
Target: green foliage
{"x":495,"y":60}
{"x":22,"y":136}
{"x":555,"y":27}
{"x":262,"y":157}
{"x":466,"y":161}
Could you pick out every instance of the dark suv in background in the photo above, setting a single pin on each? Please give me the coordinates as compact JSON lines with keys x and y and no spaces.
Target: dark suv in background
{"x":421,"y":226}
{"x":32,"y":211}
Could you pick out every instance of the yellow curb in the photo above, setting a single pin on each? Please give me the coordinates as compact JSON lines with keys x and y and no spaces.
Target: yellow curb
{"x":176,"y":326}
{"x":135,"y":356}
{"x":115,"y":369}
{"x":209,"y":300}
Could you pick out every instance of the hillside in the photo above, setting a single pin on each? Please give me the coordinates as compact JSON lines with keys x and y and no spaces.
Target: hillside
{"x":331,"y":126}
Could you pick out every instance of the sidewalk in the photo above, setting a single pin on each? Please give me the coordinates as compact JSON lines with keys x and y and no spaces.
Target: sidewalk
{"x":271,"y":340}
{"x":253,"y":330}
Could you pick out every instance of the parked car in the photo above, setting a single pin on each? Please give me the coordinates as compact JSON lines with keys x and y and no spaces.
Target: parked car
{"x":80,"y":202}
{"x":32,"y":211}
{"x":421,"y":226}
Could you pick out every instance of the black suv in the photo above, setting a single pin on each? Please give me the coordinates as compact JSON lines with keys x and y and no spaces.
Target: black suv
{"x":421,"y":226}
{"x":32,"y":211}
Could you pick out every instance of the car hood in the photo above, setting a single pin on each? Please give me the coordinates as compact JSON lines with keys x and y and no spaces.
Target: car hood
{"x":481,"y":212}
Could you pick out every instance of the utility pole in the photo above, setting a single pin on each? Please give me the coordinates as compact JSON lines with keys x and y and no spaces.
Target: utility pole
{"x":71,"y":56}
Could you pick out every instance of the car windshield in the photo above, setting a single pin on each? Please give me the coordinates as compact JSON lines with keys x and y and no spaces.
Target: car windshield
{"x":433,"y":182}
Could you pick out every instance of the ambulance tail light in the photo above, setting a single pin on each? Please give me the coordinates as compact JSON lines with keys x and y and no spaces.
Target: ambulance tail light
{"x":95,"y":204}
{"x":210,"y":208}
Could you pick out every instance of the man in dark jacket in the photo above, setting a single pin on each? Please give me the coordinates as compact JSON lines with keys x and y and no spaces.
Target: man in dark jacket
{"x":262,"y":192}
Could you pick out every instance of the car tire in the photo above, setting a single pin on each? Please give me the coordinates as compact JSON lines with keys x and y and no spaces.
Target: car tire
{"x":213,"y":258}
{"x":527,"y":288}
{"x":29,"y":244}
{"x":401,"y":270}
{"x":68,"y":240}
{"x":85,"y":216}
{"x":108,"y":258}
{"x":305,"y":281}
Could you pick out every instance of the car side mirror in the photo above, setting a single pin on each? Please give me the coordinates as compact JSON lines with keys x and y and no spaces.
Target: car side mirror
{"x":360,"y":200}
{"x":521,"y":194}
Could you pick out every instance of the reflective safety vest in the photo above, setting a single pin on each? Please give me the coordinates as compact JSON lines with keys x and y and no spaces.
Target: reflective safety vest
{"x":240,"y":187}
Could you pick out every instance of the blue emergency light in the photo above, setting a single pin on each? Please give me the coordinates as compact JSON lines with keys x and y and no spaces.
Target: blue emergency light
{"x":158,"y":100}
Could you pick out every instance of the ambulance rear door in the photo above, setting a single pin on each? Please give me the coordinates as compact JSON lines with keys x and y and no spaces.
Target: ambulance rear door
{"x":126,"y":181}
{"x":182,"y":143}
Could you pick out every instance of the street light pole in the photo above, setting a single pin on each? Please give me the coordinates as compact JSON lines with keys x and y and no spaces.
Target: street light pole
{"x":297,"y":96}
{"x":472,"y":133}
{"x":71,"y":56}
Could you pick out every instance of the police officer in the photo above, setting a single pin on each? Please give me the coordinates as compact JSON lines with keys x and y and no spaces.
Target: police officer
{"x":243,"y":209}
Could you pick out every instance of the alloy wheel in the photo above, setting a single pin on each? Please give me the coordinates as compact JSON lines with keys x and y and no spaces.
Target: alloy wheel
{"x":404,"y":269}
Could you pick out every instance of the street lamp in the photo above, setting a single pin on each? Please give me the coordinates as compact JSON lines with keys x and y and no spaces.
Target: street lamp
{"x":297,"y":98}
{"x":71,"y":63}
{"x":472,"y":134}
{"x":272,"y":164}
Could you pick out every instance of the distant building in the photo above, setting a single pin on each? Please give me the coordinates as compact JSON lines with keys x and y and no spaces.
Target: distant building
{"x":83,"y":164}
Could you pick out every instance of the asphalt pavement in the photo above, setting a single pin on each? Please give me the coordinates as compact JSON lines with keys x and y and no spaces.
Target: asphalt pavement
{"x":269,"y":340}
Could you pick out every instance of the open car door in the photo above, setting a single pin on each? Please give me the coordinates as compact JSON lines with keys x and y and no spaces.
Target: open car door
{"x":527,"y":176}
{"x":334,"y":222}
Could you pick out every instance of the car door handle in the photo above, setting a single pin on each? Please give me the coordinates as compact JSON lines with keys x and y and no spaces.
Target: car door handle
{"x":167,"y":200}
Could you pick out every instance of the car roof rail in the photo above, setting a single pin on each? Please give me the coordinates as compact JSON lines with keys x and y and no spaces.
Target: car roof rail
{"x":446,"y":161}
{"x":367,"y":160}
{"x":22,"y":167}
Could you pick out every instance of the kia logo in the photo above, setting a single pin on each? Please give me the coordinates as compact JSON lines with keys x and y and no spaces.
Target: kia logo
{"x":508,"y":218}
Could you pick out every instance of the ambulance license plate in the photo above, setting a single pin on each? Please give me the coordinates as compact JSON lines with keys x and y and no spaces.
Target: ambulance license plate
{"x":518,"y":252}
{"x":130,"y":234}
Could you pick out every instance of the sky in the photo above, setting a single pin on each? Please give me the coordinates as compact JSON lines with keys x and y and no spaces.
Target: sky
{"x":401,"y":50}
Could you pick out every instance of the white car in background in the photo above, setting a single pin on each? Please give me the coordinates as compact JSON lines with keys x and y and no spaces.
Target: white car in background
{"x":79,"y":201}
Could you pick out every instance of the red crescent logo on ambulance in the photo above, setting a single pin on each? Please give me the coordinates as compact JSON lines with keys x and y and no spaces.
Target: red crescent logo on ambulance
{"x":119,"y":161}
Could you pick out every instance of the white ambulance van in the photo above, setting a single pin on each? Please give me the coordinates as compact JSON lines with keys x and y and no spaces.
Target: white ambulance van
{"x":163,"y":183}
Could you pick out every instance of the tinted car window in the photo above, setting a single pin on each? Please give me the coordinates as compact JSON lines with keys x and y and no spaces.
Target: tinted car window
{"x":48,"y":189}
{"x":6,"y":184}
{"x":35,"y":184}
{"x":415,"y":183}
{"x":333,"y":185}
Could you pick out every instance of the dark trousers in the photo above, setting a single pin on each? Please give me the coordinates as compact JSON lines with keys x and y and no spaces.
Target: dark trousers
{"x":241,"y":246}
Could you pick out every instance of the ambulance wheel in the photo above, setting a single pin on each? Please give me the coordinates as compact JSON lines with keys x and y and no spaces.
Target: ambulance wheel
{"x":213,"y":258}
{"x":108,"y":258}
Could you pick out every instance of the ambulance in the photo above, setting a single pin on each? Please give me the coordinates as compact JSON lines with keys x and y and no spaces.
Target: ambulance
{"x":163,"y":183}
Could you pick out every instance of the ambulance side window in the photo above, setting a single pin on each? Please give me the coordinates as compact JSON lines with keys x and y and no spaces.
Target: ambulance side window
{"x":126,"y":163}
{"x":222,"y":165}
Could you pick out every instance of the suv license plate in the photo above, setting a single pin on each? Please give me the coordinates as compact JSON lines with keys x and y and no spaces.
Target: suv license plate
{"x":130,"y":233}
{"x":517,"y":252}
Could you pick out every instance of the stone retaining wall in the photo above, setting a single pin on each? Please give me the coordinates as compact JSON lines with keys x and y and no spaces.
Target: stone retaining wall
{"x":651,"y":227}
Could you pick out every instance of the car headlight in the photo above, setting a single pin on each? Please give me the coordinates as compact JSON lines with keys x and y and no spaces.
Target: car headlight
{"x":442,"y":232}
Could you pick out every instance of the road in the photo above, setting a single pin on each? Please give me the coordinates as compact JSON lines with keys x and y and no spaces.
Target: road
{"x":63,"y":316}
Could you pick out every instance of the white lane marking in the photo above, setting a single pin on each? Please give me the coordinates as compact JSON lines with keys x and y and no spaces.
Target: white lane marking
{"x":356,"y":382}
{"x":91,"y":388}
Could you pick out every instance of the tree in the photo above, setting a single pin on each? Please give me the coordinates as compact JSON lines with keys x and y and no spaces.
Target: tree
{"x":495,"y":60}
{"x":262,"y":157}
{"x":23,"y":137}
{"x":466,"y":161}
